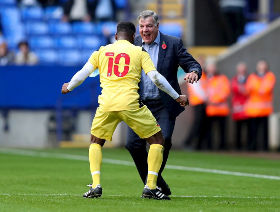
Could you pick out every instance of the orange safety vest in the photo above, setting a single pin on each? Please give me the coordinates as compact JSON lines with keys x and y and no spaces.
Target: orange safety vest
{"x":260,"y":95}
{"x":197,"y":91}
{"x":218,"y":91}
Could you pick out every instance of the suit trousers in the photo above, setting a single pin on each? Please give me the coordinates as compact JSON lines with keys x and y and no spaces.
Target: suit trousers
{"x":198,"y":129}
{"x":241,"y":127}
{"x":137,"y":146}
{"x":221,"y":121}
{"x":258,"y":133}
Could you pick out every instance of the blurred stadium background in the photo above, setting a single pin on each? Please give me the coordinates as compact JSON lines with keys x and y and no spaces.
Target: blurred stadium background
{"x":35,"y":114}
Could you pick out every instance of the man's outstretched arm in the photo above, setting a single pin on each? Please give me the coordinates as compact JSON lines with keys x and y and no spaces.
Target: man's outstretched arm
{"x":161,"y":82}
{"x":78,"y":78}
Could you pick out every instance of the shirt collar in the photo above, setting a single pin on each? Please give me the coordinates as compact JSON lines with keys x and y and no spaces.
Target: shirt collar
{"x":157,"y":40}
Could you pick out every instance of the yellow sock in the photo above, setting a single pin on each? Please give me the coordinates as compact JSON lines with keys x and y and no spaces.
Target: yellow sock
{"x":95,"y":161}
{"x":154,"y":163}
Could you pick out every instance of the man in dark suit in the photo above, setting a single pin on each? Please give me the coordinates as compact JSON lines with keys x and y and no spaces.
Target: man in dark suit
{"x":167,"y":53}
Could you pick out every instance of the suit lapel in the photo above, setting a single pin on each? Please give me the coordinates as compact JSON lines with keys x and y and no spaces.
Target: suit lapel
{"x":138,"y":41}
{"x":161,"y":52}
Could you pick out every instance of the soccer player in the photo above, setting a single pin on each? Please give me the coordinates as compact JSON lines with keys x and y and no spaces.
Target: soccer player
{"x":120,"y":66}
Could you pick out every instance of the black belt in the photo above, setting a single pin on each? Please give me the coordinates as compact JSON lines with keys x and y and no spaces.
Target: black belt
{"x":152,"y":101}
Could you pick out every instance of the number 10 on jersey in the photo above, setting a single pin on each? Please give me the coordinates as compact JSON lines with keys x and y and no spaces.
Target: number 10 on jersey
{"x":115,"y":63}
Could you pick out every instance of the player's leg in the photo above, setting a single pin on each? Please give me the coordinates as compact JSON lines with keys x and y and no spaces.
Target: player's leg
{"x":103,"y":127}
{"x":155,"y":159}
{"x":144,"y":124}
{"x":95,"y":161}
{"x":137,"y":146}
{"x":166,"y":124}
{"x":138,"y":151}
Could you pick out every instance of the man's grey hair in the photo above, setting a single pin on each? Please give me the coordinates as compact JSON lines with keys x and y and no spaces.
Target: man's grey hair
{"x":148,"y":13}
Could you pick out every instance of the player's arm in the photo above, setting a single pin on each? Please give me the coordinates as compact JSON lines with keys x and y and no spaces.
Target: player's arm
{"x":78,"y":78}
{"x":161,"y":82}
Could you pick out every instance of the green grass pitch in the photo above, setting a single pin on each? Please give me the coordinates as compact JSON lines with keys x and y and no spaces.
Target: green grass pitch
{"x":55,"y":179}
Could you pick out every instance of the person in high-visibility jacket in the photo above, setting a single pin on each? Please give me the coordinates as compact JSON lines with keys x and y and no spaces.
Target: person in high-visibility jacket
{"x":239,"y":98}
{"x":259,"y":105}
{"x":197,"y":98}
{"x":217,"y":109}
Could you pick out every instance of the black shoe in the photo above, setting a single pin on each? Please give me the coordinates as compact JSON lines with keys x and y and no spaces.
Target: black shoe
{"x":93,"y":192}
{"x":154,"y":194}
{"x":164,"y":189}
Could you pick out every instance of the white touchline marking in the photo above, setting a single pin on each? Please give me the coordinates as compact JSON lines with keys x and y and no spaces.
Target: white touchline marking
{"x":79,"y":195}
{"x":128,"y":163}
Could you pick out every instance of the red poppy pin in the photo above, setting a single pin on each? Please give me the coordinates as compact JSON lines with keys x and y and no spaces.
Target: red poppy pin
{"x":163,"y":45}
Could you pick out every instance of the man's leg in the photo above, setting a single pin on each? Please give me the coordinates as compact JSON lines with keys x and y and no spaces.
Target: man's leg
{"x":137,"y":149}
{"x":203,"y":126}
{"x":238,"y":128}
{"x":210,"y":122}
{"x":222,"y":122}
{"x":264,"y":127}
{"x":166,"y":124}
{"x":194,"y":131}
{"x":253,"y":133}
{"x":143,"y":123}
{"x":137,"y":146}
{"x":197,"y":129}
{"x":155,"y":158}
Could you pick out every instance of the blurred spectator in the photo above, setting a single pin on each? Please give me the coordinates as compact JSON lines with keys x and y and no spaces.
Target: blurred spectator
{"x":197,"y":98}
{"x":6,"y":57}
{"x":2,"y":40}
{"x":239,"y":97}
{"x":217,"y":109}
{"x":104,"y":10}
{"x":77,"y":10}
{"x":47,"y":3}
{"x":89,"y":10}
{"x":260,"y":104}
{"x":109,"y":38}
{"x":43,"y":3}
{"x":25,"y":56}
{"x":233,"y":11}
{"x":28,"y":3}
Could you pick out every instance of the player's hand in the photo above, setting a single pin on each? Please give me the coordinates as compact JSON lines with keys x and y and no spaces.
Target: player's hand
{"x":64,"y":89}
{"x":183,"y":100}
{"x":191,"y":77}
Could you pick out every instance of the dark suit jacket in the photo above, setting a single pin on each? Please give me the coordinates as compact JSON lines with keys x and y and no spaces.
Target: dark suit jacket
{"x":169,"y":60}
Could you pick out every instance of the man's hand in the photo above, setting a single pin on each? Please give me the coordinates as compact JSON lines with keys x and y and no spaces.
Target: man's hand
{"x":191,"y":77}
{"x":183,"y":100}
{"x":64,"y":89}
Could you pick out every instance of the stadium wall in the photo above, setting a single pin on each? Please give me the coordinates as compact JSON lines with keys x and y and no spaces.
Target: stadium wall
{"x":34,"y":128}
{"x":24,"y":129}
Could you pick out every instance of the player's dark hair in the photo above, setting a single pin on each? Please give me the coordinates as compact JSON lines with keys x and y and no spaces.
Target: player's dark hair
{"x":127,"y":27}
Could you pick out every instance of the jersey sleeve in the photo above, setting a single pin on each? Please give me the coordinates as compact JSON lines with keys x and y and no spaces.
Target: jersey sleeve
{"x":94,"y":58}
{"x":146,"y":62}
